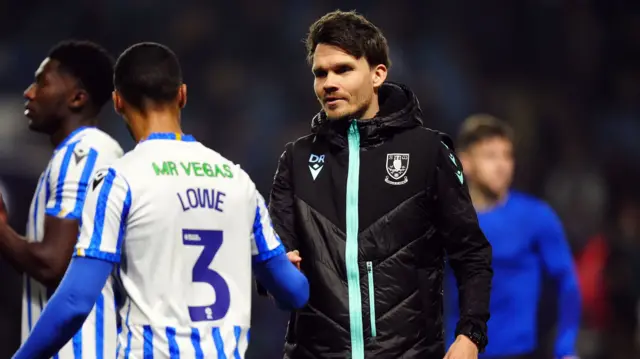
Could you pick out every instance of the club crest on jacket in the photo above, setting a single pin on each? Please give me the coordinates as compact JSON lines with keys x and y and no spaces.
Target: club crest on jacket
{"x":397,"y":166}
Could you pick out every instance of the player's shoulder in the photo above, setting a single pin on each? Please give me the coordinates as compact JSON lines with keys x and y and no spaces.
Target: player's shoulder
{"x":83,"y":144}
{"x":231,"y":168}
{"x":530,"y":202}
{"x":125,"y":164}
{"x":98,"y":140}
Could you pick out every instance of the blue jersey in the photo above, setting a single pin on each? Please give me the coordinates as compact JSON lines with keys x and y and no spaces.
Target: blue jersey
{"x":527,"y":239}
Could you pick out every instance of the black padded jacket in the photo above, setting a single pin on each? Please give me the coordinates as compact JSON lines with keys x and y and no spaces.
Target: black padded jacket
{"x":373,"y":206}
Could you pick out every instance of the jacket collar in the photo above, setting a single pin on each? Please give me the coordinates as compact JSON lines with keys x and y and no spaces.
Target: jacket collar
{"x":399,"y":110}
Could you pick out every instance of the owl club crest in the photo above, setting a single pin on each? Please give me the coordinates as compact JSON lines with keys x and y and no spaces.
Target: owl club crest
{"x":397,"y":166}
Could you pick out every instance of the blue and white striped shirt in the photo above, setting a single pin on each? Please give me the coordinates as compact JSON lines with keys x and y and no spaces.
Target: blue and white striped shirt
{"x":184,"y":225}
{"x":61,"y":193}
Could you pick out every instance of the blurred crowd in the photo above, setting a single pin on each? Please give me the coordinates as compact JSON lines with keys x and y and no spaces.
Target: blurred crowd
{"x":565,"y":74}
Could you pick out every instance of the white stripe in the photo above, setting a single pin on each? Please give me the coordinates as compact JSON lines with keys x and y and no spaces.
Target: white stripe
{"x":270,"y":236}
{"x":243,"y":343}
{"x":71,"y":184}
{"x":89,"y":336}
{"x":117,"y":198}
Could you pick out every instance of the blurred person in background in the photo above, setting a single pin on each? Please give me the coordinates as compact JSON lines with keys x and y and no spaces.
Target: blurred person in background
{"x":527,"y":238}
{"x":367,"y":205}
{"x":71,"y":86}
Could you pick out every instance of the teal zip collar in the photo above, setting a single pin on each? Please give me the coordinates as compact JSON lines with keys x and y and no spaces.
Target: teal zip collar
{"x":351,"y":252}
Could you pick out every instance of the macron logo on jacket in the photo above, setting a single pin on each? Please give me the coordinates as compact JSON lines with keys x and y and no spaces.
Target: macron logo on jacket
{"x":315,"y":165}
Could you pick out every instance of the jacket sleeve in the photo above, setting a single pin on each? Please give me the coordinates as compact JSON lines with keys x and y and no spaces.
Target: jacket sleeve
{"x":281,"y":201}
{"x":281,"y":205}
{"x":467,"y":248}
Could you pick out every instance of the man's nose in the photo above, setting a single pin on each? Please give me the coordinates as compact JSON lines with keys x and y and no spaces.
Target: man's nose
{"x":29,"y":92}
{"x":331,"y":83}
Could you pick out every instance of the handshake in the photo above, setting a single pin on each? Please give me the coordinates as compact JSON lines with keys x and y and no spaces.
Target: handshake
{"x":294,"y":258}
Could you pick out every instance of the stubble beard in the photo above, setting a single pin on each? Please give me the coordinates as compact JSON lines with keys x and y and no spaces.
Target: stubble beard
{"x":354,"y":115}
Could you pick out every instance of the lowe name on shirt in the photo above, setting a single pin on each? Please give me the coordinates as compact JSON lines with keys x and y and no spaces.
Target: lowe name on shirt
{"x":201,"y":198}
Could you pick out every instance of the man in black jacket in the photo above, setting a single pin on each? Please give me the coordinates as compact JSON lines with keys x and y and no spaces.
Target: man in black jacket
{"x":371,"y":201}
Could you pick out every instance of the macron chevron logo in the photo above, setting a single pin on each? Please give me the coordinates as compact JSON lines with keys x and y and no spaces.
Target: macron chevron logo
{"x":315,"y":165}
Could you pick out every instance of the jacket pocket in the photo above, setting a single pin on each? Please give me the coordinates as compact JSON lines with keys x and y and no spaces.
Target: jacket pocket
{"x":372,"y":299}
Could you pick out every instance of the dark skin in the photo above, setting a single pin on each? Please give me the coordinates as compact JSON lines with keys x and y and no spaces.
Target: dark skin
{"x":56,"y":105}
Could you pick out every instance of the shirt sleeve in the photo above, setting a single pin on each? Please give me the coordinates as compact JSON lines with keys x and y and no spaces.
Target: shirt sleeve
{"x":265,"y":243}
{"x":104,"y":217}
{"x":68,"y":178}
{"x":284,"y":281}
{"x":558,"y":261}
{"x":68,"y":308}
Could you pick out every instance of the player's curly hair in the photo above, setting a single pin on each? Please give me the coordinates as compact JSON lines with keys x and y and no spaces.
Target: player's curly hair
{"x":352,"y":33}
{"x":480,"y":127}
{"x":147,"y":71}
{"x":91,"y":64}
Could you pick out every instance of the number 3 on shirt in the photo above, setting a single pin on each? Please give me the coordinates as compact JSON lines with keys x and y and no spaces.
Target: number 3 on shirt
{"x":211,"y":242}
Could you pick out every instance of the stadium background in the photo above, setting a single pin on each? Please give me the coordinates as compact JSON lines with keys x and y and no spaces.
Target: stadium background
{"x":564,"y":73}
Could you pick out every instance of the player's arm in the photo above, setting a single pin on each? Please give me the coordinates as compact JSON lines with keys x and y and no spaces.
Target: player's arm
{"x":288,"y":286}
{"x":558,"y":261}
{"x":68,"y":308}
{"x":468,"y":250}
{"x":67,"y":182}
{"x":104,"y":219}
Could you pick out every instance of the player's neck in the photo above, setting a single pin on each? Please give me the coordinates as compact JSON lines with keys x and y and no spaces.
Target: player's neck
{"x":156,"y":122}
{"x":483,"y":201}
{"x":67,"y":127}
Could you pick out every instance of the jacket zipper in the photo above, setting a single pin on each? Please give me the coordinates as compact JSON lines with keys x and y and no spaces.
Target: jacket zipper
{"x":351,"y":251}
{"x":372,"y":299}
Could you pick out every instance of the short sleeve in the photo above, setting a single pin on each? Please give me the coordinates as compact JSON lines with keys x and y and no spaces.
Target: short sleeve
{"x":265,"y":243}
{"x":68,"y":178}
{"x":104,"y":217}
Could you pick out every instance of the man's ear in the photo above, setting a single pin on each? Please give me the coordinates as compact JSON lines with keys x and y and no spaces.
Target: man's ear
{"x":118,"y":103}
{"x":378,"y":75}
{"x":182,"y":96}
{"x":79,"y":99}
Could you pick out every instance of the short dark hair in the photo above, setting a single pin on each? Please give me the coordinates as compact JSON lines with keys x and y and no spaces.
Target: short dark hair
{"x":91,"y":64}
{"x":352,"y":33}
{"x":481,"y":127}
{"x":147,"y":71}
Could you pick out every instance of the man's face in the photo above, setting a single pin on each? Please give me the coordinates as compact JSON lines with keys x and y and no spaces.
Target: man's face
{"x":343,"y":84}
{"x":47,"y":97}
{"x":489,"y":163}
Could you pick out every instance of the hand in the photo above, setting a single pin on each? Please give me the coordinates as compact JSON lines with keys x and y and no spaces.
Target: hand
{"x":294,"y":258}
{"x":462,"y":348}
{"x":3,"y":211}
